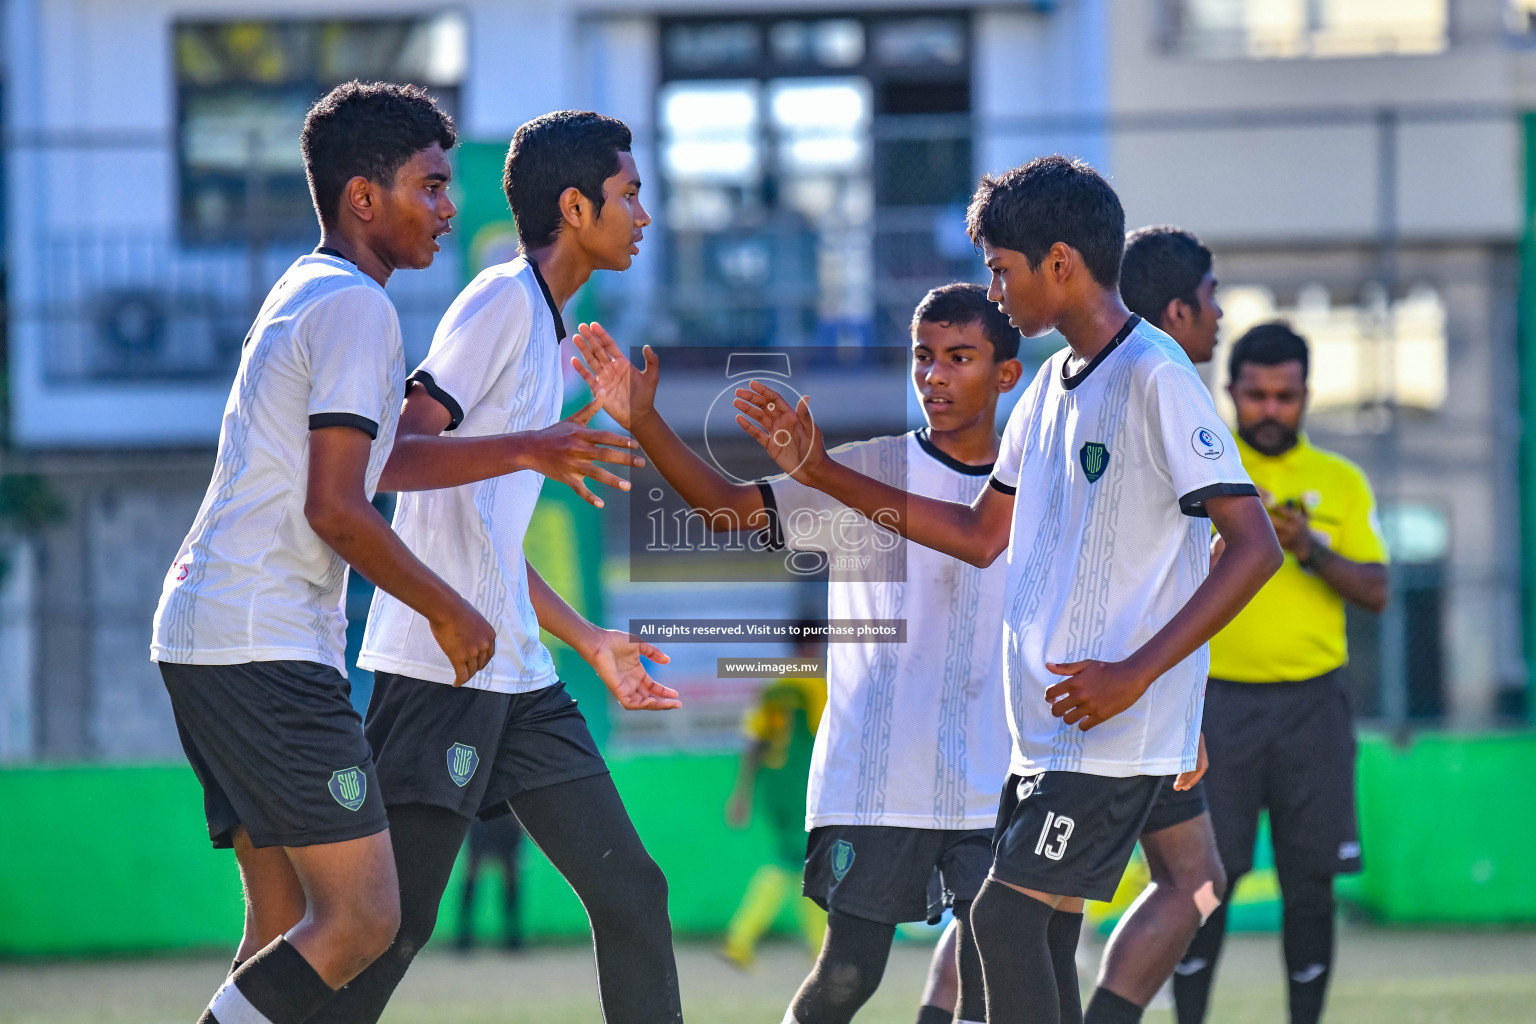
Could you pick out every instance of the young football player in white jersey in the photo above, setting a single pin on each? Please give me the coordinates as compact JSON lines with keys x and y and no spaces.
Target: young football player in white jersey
{"x":912,"y":746}
{"x":511,"y":739}
{"x":1110,"y":464}
{"x":250,"y":631}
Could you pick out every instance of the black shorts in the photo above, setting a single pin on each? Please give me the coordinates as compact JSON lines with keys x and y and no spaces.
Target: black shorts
{"x":278,"y":749}
{"x":890,"y":874}
{"x":473,"y":751}
{"x":1070,"y":833}
{"x":1288,"y":747}
{"x":1173,"y":807}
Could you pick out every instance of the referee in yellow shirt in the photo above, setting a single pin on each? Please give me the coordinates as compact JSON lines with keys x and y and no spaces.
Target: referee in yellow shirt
{"x":1278,"y":724}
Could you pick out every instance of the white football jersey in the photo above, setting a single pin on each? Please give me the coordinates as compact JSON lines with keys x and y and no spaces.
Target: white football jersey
{"x":1111,"y":465}
{"x":252,"y":581}
{"x":914,"y":733}
{"x":495,"y":366}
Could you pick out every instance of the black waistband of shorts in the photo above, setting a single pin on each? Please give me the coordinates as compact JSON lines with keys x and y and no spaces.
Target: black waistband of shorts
{"x":1325,"y":679}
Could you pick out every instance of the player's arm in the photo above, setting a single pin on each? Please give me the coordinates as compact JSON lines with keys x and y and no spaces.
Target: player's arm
{"x":611,"y":653}
{"x":1360,"y":583}
{"x":975,"y":533}
{"x":569,"y":451}
{"x":738,"y":809}
{"x":1098,"y":690}
{"x":340,"y":514}
{"x":629,"y":396}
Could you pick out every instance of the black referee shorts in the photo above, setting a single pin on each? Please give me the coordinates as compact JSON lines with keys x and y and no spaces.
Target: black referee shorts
{"x":472,"y":751}
{"x":1288,"y":748}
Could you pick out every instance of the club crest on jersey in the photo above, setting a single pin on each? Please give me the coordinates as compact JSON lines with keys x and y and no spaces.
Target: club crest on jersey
{"x":842,"y":858}
{"x":1095,"y":458}
{"x":350,"y":787}
{"x":462,"y":762}
{"x":1206,"y":443}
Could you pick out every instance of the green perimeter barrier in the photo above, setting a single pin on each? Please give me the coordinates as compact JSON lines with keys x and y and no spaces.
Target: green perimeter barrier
{"x":105,"y":859}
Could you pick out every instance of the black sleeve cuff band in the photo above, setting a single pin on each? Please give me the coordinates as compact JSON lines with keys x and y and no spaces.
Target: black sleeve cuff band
{"x":773,"y":535}
{"x":345,"y":419}
{"x":441,"y":397}
{"x":1002,"y":488}
{"x":1193,"y":503}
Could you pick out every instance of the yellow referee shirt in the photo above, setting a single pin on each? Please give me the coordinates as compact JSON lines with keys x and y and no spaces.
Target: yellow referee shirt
{"x":1293,"y":629}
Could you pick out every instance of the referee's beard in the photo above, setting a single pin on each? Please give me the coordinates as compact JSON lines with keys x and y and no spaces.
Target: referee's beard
{"x":1269,"y":436}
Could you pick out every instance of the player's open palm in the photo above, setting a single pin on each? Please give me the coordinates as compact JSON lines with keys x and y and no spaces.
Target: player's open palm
{"x":787,"y":432}
{"x":570,"y":452}
{"x":467,"y":639}
{"x":1093,"y":691}
{"x":617,"y":663}
{"x":629,"y":393}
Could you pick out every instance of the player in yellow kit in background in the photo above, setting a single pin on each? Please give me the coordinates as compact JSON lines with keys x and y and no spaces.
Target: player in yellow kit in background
{"x":1278,"y":724}
{"x":775,"y":769}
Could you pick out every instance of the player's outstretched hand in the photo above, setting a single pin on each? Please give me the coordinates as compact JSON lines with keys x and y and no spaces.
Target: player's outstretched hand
{"x":1188,"y":780}
{"x":786,"y":432}
{"x":1093,"y":692}
{"x":467,"y":639}
{"x":617,"y":663}
{"x":570,"y":452}
{"x":629,"y":394}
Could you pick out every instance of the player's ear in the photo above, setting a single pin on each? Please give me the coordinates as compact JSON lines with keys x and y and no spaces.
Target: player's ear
{"x":573,"y":207}
{"x":1175,"y":313}
{"x":357,"y":198}
{"x":1009,"y":372}
{"x":1061,"y":260}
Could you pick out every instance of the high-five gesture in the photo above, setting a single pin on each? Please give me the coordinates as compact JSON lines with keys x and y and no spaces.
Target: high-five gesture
{"x":616,"y":660}
{"x":787,"y":433}
{"x":570,"y":452}
{"x":629,"y":393}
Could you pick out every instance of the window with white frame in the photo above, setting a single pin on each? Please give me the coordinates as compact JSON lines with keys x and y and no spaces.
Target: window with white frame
{"x":243,"y":88}
{"x":1307,"y":28}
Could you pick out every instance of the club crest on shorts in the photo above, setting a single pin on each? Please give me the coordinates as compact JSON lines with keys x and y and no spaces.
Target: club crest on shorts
{"x":350,"y":787}
{"x":462,"y":762}
{"x":842,"y":858}
{"x":1095,"y":458}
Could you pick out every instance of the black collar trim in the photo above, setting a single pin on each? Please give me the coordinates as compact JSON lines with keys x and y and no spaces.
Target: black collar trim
{"x":326,"y":250}
{"x":549,"y":300}
{"x":1071,"y":381}
{"x":926,"y":444}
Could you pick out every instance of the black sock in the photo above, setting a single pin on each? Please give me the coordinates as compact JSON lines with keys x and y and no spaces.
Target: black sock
{"x":1307,"y":936}
{"x":1194,"y":975}
{"x":1107,"y":1008}
{"x":275,"y":986}
{"x":847,"y":972}
{"x":1011,"y":934}
{"x":585,"y":832}
{"x":971,"y":997}
{"x":1062,"y":935}
{"x":930,"y":1014}
{"x":426,"y":842}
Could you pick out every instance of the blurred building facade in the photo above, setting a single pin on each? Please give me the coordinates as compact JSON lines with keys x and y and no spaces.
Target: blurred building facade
{"x":1358,"y":165}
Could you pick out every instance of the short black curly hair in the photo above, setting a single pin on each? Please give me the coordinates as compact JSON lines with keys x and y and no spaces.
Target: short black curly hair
{"x":1162,"y":263}
{"x":1048,"y":200}
{"x":368,"y":130}
{"x":556,"y":151}
{"x":962,"y":304}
